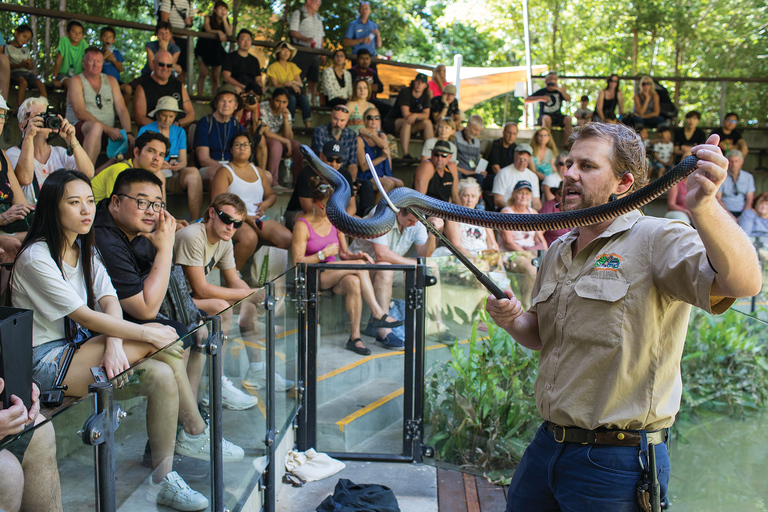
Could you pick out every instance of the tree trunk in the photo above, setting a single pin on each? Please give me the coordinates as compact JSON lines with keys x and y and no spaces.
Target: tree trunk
{"x":235,"y":14}
{"x":679,"y":49}
{"x":62,"y":23}
{"x":33,"y":42}
{"x":635,"y":44}
{"x":555,"y":27}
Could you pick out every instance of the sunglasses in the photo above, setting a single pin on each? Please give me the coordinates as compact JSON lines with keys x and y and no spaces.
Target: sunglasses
{"x":646,"y":83}
{"x":342,"y":108}
{"x":441,"y":155}
{"x":227,"y":219}
{"x":614,"y":81}
{"x":372,"y":118}
{"x":3,"y":117}
{"x":336,"y":160}
{"x":98,"y":101}
{"x":731,"y":121}
{"x":165,"y":64}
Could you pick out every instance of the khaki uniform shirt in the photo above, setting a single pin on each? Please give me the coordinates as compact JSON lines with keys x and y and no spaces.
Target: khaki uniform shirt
{"x":613,"y":322}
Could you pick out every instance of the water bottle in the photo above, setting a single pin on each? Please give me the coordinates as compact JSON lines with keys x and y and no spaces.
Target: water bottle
{"x":71,"y":72}
{"x":480,"y":205}
{"x":287,"y":177}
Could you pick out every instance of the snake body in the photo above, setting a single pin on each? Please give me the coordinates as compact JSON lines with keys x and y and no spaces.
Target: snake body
{"x":384,"y":218}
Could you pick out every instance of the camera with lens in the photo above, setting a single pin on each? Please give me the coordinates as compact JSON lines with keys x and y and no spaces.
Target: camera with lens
{"x":50,"y":119}
{"x":251,"y":98}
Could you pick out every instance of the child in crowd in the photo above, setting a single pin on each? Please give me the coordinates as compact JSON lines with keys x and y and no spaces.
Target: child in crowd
{"x":21,"y":63}
{"x":209,"y":52}
{"x":583,"y":114}
{"x":663,"y":151}
{"x":69,"y":61}
{"x":113,"y":61}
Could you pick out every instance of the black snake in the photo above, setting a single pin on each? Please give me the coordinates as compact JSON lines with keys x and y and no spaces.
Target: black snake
{"x":384,"y":218}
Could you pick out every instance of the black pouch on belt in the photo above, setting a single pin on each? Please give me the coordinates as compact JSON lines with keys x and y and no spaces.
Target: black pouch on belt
{"x":643,"y":487}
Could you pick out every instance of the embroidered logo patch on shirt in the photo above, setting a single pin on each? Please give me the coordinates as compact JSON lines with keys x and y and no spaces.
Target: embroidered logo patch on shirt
{"x":608,"y":262}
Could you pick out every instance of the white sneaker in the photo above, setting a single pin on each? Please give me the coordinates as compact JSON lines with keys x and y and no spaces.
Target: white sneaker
{"x":199,"y":447}
{"x":257,"y":379}
{"x":174,"y":492}
{"x":231,"y":397}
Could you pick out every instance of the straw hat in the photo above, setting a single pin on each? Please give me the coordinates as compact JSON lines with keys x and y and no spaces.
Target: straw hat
{"x":280,"y":46}
{"x":168,"y":103}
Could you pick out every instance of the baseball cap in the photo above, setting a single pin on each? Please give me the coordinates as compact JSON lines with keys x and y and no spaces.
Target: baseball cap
{"x":422,"y":78}
{"x":442,"y":145}
{"x":332,"y":148}
{"x":449,"y":89}
{"x":523,"y":184}
{"x":524,"y":148}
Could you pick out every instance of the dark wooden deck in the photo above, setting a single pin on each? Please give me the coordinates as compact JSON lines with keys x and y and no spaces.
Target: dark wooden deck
{"x":462,"y":492}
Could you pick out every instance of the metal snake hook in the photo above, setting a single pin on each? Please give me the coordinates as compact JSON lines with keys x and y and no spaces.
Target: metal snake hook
{"x":484,"y":279}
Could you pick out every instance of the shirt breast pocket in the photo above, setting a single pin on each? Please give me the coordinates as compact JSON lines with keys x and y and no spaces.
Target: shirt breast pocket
{"x":545,"y":308}
{"x":596,"y":315}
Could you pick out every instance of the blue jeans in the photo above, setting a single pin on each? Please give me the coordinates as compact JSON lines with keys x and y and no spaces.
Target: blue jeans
{"x":651,"y":122}
{"x":572,"y":477}
{"x":306,"y":110}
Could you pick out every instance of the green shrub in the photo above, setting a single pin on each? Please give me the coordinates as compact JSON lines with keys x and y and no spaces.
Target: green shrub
{"x":480,"y":403}
{"x":725,"y":364}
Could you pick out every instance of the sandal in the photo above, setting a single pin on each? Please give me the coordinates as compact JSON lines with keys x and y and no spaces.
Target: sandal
{"x":382,"y":322}
{"x":363,"y":351}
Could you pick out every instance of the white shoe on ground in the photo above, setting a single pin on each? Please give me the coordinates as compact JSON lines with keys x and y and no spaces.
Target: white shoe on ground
{"x":174,"y":492}
{"x":257,"y":379}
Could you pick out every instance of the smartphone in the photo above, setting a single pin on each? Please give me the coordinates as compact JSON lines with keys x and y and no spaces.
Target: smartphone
{"x":99,"y":374}
{"x":173,"y":159}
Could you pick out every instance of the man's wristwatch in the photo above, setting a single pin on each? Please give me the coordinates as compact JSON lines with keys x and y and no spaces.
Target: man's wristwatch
{"x":320,"y":255}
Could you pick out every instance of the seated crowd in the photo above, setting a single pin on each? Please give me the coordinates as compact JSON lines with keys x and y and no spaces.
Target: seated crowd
{"x":62,"y":213}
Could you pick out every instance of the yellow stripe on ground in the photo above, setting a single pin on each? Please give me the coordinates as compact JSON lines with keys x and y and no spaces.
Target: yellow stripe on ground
{"x":342,"y":423}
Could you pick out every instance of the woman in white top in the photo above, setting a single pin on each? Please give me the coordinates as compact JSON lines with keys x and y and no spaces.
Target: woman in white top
{"x":35,"y":157}
{"x":470,"y":239}
{"x":59,"y":275}
{"x":337,"y":81}
{"x":254,"y":186}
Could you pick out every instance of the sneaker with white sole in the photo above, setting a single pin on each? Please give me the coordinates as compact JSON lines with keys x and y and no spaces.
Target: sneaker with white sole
{"x":174,"y":492}
{"x":257,"y":379}
{"x":231,"y":397}
{"x":199,"y":447}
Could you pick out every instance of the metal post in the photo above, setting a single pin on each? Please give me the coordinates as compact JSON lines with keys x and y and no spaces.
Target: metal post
{"x":723,"y":94}
{"x":191,"y":66}
{"x":301,"y":379}
{"x":269,"y":305}
{"x":458,"y":60}
{"x":99,"y":432}
{"x":413,"y":300}
{"x":212,"y":350}
{"x":528,"y":72}
{"x":311,"y":384}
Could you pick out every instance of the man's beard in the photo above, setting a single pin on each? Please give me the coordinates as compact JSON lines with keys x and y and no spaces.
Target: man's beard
{"x":336,"y":131}
{"x":586,"y":199}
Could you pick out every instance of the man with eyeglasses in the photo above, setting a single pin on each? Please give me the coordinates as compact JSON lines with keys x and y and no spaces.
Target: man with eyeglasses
{"x":737,"y":191}
{"x":550,"y":99}
{"x":301,"y":199}
{"x":93,"y":100}
{"x":730,"y":137}
{"x":206,"y":245}
{"x":435,"y":178}
{"x":160,"y":83}
{"x":337,"y":130}
{"x":148,"y":154}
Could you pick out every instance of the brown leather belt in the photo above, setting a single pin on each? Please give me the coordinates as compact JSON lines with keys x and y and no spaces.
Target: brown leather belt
{"x":609,"y":437}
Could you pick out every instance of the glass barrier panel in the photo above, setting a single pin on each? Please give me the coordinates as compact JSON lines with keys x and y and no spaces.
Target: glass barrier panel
{"x":244,"y":396}
{"x":162,"y":446}
{"x":58,"y":467}
{"x":286,"y":351}
{"x":359,"y":395}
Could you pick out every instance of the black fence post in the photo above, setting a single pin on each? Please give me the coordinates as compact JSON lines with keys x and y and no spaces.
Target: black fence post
{"x":213,"y":351}
{"x":269,"y":304}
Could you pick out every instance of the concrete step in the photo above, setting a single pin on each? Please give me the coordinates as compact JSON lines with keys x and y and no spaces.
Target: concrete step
{"x":359,"y":414}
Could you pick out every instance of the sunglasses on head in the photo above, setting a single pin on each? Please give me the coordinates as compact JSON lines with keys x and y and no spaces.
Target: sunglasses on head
{"x":335,"y":159}
{"x":342,"y":108}
{"x":165,"y":64}
{"x":227,"y":219}
{"x":372,"y":118}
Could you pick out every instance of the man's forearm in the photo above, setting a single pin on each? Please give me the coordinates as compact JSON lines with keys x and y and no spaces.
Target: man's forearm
{"x":730,"y":252}
{"x":25,"y":165}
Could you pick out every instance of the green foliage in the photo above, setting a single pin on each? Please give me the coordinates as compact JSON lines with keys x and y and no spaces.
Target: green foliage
{"x":492,"y":111}
{"x":725,"y":364}
{"x":480,"y":403}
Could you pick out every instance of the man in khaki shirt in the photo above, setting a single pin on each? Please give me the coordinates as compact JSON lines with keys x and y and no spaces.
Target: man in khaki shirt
{"x":609,"y":314}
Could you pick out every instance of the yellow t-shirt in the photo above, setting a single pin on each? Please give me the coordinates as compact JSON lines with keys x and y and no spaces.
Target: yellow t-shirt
{"x":103,"y":183}
{"x":283,"y":75}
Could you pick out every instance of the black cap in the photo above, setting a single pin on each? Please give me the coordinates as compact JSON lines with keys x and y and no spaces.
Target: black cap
{"x":523,"y":184}
{"x":332,"y":148}
{"x":422,"y":78}
{"x":443,"y":145}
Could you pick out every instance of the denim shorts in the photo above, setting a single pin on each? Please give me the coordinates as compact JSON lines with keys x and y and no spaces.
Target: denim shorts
{"x":46,"y":360}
